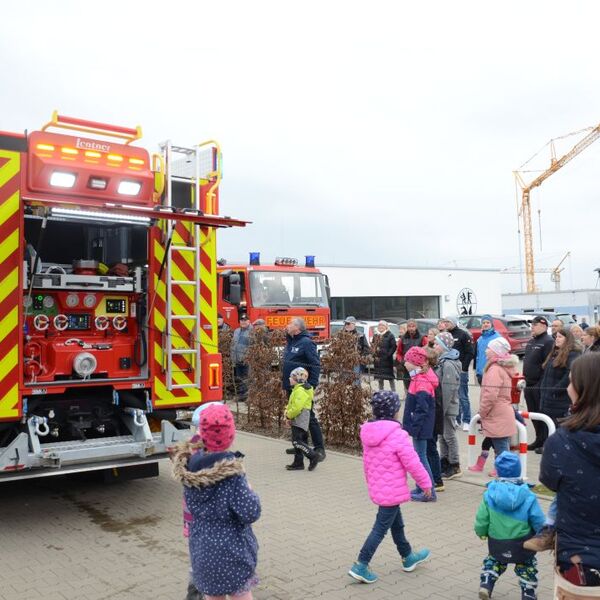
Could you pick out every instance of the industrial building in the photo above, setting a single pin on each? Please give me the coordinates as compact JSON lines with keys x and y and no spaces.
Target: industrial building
{"x":582,"y":303}
{"x":386,"y":292}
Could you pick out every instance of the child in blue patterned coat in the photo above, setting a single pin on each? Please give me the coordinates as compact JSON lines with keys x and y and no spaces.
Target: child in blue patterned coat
{"x":223,"y":547}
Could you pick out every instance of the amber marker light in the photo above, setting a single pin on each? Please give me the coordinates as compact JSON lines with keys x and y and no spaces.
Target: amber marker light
{"x":92,"y":154}
{"x":115,"y":158}
{"x":45,"y":147}
{"x":136,"y":161}
{"x":69,"y":151}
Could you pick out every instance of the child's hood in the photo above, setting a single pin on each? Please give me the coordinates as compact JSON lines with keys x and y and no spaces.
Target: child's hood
{"x":424,"y":382}
{"x":507,"y":495}
{"x":452,"y":354}
{"x":204,"y":470}
{"x":374,"y":432}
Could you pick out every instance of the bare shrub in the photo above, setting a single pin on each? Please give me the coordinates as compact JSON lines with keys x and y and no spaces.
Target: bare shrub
{"x":343,"y":407}
{"x":266,"y":399}
{"x":225,"y":339}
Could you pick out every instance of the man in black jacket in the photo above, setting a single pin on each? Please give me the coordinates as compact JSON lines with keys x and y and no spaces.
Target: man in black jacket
{"x":536,"y":351}
{"x":464,"y":344}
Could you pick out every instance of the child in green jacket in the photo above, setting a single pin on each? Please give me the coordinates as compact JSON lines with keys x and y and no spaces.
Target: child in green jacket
{"x":298,"y":414}
{"x":508,"y":515}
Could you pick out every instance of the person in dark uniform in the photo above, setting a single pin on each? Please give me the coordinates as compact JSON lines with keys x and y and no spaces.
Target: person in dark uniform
{"x":538,"y":348}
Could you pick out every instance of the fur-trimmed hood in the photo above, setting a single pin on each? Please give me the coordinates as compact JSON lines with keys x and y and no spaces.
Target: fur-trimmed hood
{"x":203,"y":469}
{"x":511,"y":363}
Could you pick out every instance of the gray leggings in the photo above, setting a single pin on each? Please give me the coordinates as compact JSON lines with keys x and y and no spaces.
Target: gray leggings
{"x":449,"y":441}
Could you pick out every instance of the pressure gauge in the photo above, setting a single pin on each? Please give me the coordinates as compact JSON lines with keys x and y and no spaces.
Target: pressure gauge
{"x":27,"y":301}
{"x":48,"y":301}
{"x":89,"y":301}
{"x":72,"y":300}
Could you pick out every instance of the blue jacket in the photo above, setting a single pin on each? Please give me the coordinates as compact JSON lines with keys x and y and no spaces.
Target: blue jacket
{"x":482,"y":343}
{"x":508,"y":514}
{"x":571,"y":467}
{"x":301,"y":351}
{"x":223,"y":548}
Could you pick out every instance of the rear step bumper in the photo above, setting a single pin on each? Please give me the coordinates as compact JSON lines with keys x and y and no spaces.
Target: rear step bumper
{"x":26,"y":457}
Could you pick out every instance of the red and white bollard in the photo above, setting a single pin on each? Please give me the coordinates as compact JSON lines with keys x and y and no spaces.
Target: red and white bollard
{"x":473,"y":449}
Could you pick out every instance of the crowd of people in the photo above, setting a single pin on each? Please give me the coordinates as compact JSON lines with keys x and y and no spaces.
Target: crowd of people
{"x":562,"y":375}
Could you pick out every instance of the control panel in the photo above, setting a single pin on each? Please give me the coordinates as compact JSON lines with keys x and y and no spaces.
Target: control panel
{"x":64,"y":325}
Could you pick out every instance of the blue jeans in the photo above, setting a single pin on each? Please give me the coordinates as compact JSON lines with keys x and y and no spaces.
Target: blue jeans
{"x":388,"y":518}
{"x":433,"y":457}
{"x":500,"y":445}
{"x":421,"y":450}
{"x":464,"y":408}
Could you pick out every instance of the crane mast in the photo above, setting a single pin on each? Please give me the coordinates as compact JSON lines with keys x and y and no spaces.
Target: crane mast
{"x":525,"y":210}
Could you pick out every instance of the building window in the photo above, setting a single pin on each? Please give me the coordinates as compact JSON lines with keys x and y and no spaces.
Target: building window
{"x":386,"y":307}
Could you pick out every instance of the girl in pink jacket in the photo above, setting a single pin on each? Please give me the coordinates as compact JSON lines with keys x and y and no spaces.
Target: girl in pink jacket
{"x":388,"y":455}
{"x":495,"y":405}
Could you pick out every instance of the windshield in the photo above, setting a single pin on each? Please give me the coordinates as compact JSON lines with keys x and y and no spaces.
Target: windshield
{"x":287,"y":288}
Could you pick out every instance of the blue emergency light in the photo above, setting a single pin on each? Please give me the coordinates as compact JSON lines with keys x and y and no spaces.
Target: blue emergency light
{"x":255,"y":258}
{"x":310,"y":261}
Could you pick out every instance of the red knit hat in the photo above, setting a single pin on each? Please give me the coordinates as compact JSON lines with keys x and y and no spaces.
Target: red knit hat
{"x":217,"y":428}
{"x":416,"y":355}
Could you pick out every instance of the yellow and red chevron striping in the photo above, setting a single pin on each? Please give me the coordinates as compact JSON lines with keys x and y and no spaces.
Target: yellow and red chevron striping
{"x":10,"y":237}
{"x":182,"y":303}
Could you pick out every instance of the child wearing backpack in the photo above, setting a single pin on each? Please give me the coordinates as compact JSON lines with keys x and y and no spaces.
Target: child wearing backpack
{"x":388,"y":455}
{"x":508,"y":515}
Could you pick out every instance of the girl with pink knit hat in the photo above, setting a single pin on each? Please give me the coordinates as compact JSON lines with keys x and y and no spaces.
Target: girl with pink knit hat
{"x":495,"y":405}
{"x":419,"y":410}
{"x":223,"y":506}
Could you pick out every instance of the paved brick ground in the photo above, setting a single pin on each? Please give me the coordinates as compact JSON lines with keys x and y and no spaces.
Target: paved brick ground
{"x":72,"y":540}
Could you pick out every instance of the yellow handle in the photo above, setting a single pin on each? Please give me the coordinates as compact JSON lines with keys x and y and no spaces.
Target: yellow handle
{"x":158,"y":166}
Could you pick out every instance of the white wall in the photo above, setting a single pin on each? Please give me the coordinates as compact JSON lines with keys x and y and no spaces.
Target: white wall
{"x":444,"y":283}
{"x":583,"y":303}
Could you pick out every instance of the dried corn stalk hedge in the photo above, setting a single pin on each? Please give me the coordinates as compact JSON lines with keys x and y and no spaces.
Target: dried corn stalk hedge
{"x":343,"y":407}
{"x":225,"y":339}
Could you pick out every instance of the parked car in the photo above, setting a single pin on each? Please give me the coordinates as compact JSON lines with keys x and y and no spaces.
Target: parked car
{"x":566,"y":318}
{"x":366,"y":327}
{"x":516,"y":330}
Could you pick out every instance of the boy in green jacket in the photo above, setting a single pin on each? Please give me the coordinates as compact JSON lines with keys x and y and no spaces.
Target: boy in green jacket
{"x":298,"y":414}
{"x":508,"y":515}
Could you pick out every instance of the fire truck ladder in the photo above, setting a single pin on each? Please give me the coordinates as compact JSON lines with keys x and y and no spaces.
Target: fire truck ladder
{"x":182,"y":165}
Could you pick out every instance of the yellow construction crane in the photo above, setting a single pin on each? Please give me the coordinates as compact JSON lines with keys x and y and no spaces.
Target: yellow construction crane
{"x":555,"y":275}
{"x":525,"y":208}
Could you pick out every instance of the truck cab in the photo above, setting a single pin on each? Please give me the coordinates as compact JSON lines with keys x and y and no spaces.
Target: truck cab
{"x":276,"y":293}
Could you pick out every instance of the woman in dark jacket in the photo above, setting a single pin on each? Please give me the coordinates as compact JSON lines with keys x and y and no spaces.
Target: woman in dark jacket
{"x":571,"y":467}
{"x":591,"y":339}
{"x":384,"y":347}
{"x":554,"y":400}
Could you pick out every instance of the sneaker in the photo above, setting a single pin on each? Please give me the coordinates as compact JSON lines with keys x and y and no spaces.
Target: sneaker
{"x":415,"y":558}
{"x":421,"y":497}
{"x":439,"y":486}
{"x":453,"y":472}
{"x":542,"y":541}
{"x":466,"y":426}
{"x":362,"y":573}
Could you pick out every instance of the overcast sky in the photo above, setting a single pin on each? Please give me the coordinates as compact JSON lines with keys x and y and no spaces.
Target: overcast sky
{"x":364,"y":133}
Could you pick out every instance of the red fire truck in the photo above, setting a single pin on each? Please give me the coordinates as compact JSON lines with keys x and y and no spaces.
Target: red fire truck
{"x":108,"y":297}
{"x":275,"y":293}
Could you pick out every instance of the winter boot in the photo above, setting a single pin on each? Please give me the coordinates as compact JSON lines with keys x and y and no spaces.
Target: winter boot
{"x":541,"y":541}
{"x":452,"y":472}
{"x":486,"y":586}
{"x":478,"y":466}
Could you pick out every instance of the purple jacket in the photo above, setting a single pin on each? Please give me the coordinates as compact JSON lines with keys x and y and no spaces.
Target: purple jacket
{"x":388,"y":454}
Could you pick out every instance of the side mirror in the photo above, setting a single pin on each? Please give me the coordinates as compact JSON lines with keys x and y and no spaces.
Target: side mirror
{"x":235,"y":289}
